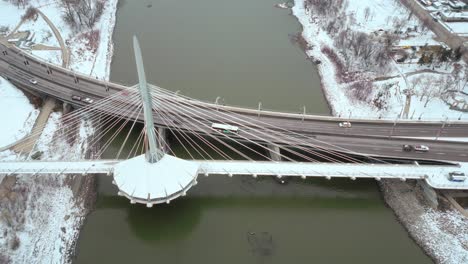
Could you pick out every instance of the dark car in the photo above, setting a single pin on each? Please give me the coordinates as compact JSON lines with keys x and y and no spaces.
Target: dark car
{"x":407,"y":148}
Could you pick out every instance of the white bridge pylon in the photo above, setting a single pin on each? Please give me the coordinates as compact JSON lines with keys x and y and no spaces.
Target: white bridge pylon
{"x":154,"y":177}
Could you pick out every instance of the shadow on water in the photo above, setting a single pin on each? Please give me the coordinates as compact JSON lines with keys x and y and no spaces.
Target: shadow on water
{"x":161,"y":223}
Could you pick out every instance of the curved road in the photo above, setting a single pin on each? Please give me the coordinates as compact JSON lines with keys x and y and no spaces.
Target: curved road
{"x":374,"y":137}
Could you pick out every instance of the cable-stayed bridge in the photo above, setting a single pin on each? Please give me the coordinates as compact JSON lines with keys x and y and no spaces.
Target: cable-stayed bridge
{"x":147,"y":170}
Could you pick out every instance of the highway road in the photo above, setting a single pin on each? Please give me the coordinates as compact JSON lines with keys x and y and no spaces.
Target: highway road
{"x":373,"y":137}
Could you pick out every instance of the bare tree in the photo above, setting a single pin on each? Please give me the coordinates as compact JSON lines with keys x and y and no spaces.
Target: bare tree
{"x":367,"y":12}
{"x":465,"y":78}
{"x":20,"y":3}
{"x":361,"y":90}
{"x":79,"y":13}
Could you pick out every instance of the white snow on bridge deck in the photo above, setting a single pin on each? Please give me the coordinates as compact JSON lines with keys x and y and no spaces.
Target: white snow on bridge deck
{"x":436,"y":176}
{"x":62,"y":167}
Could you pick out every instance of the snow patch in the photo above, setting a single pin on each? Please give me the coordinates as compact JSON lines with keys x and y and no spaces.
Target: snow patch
{"x":20,"y":124}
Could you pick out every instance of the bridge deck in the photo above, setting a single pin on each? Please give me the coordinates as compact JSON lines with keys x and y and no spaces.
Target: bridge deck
{"x":436,"y":176}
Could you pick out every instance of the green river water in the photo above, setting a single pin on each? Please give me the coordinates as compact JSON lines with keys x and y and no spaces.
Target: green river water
{"x":240,"y":51}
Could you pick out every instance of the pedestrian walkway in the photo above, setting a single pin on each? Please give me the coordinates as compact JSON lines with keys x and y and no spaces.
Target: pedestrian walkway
{"x":27,"y":144}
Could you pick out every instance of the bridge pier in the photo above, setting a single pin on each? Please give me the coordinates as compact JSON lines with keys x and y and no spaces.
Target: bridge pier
{"x":66,"y":108}
{"x":162,"y":139}
{"x":429,"y":193}
{"x":274,"y":151}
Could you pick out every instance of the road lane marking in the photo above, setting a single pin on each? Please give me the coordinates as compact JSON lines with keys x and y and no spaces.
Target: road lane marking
{"x":440,"y":153}
{"x":463,"y":155}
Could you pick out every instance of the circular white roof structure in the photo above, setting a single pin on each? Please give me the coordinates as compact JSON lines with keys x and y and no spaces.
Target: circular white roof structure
{"x":153,"y":183}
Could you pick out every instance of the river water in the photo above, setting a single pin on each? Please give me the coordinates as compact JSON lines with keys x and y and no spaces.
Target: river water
{"x":240,"y":51}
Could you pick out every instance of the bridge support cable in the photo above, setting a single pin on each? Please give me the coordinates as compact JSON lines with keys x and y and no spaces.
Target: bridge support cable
{"x":74,"y":119}
{"x":161,"y":133}
{"x":256,"y":121}
{"x":230,"y":117}
{"x":105,"y":125}
{"x":136,"y":145}
{"x":207,"y":127}
{"x":172,"y":127}
{"x":118,"y":131}
{"x":110,"y":121}
{"x":133,"y":115}
{"x":204,"y":127}
{"x":259,"y":132}
{"x":256,"y":134}
{"x":34,"y":134}
{"x":193,"y":144}
{"x":332,"y":152}
{"x":194,"y":132}
{"x":128,"y":134}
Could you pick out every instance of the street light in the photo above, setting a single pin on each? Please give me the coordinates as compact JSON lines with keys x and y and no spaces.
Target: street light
{"x":217,"y":102}
{"x":303,"y":112}
{"x":393,"y":127}
{"x":259,"y":108}
{"x":441,"y":128}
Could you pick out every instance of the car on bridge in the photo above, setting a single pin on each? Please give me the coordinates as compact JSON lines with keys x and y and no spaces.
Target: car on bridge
{"x":224,"y":128}
{"x":76,"y":97}
{"x":421,"y":148}
{"x":88,"y":100}
{"x":345,"y":124}
{"x":33,"y":81}
{"x":457,"y":176}
{"x":407,"y":148}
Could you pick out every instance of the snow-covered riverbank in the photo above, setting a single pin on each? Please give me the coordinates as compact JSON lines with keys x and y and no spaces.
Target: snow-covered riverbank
{"x":42,"y":216}
{"x":437,"y":232}
{"x":19,"y":125}
{"x":351,"y":90}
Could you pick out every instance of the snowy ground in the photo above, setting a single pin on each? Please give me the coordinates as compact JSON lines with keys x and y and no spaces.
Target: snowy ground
{"x":19,"y":125}
{"x":460,"y":28}
{"x":49,"y":218}
{"x":446,"y":233}
{"x":43,"y":215}
{"x":387,"y":98}
{"x":86,"y":57}
{"x":442,"y":234}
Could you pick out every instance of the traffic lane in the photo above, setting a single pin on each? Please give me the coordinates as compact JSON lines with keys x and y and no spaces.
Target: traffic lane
{"x":39,"y":69}
{"x":382,"y":129}
{"x":317,"y":126}
{"x":438,"y":150}
{"x":371,"y":146}
{"x":326,"y":126}
{"x":51,"y":87}
{"x":69,"y":80}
